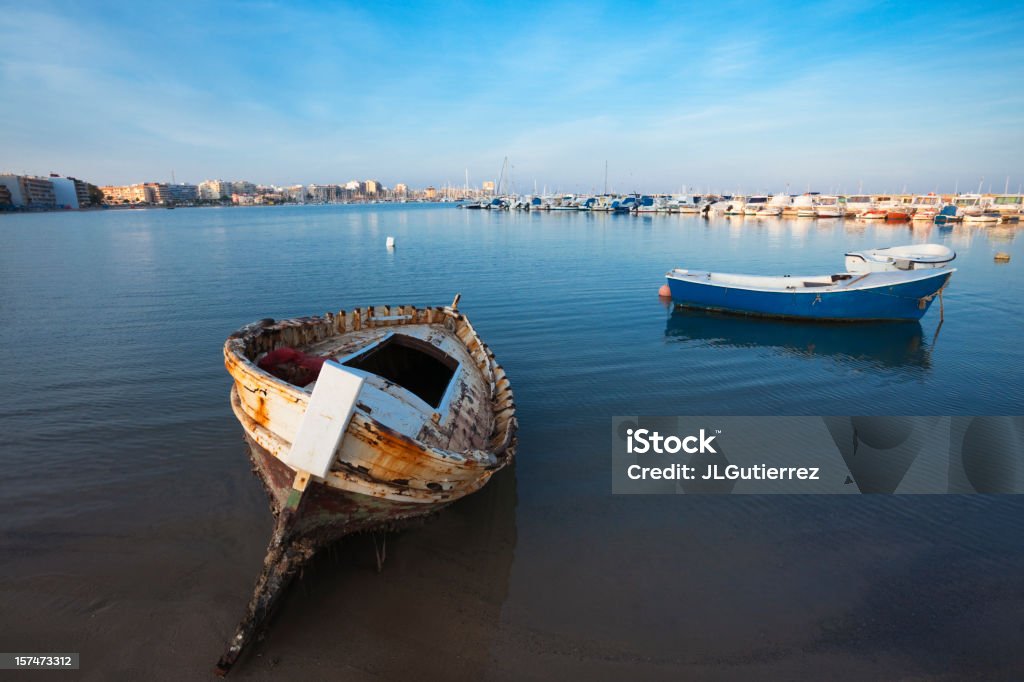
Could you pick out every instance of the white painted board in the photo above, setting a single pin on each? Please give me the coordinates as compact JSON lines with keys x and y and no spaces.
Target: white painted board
{"x":323,"y":425}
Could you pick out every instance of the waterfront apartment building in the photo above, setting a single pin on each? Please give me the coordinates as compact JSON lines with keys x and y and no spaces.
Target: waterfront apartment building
{"x":82,"y":191}
{"x":64,"y":192}
{"x":326,"y":194}
{"x":27,"y":191}
{"x":127,"y":194}
{"x":158,"y":192}
{"x":214,"y":190}
{"x":373,"y":188}
{"x":243,"y":187}
{"x":182,"y":193}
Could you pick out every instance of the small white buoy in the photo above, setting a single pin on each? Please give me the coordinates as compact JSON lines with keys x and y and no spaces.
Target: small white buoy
{"x":390,"y":243}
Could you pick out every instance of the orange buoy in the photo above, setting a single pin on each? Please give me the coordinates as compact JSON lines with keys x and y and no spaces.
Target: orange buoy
{"x":664,"y":291}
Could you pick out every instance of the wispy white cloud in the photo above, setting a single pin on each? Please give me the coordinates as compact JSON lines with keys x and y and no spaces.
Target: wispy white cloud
{"x":300,"y":92}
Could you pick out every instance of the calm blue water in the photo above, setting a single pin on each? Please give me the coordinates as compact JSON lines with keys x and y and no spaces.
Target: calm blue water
{"x":127,"y":505}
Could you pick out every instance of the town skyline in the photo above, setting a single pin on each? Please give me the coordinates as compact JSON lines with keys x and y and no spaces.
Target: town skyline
{"x":727,"y":97}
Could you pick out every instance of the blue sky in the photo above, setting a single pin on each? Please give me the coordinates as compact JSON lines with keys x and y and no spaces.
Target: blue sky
{"x":731,"y":96}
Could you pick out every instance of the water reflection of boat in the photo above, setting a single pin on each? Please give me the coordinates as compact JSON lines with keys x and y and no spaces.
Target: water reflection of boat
{"x":884,"y":344}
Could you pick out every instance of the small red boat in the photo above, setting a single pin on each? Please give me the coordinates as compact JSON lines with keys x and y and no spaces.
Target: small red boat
{"x":874,"y":214}
{"x":898,"y":215}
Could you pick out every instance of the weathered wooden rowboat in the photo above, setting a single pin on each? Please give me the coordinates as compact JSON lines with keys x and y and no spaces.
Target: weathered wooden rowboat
{"x":409,"y":413}
{"x":843,"y":297}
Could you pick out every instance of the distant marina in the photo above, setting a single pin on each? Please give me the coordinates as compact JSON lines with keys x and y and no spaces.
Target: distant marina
{"x":21,"y":193}
{"x":931,"y":208}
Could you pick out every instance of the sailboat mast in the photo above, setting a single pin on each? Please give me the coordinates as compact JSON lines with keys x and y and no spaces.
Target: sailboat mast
{"x":501,"y":178}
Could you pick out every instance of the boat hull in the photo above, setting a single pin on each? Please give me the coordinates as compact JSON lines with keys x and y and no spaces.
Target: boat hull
{"x":327,"y":513}
{"x":897,"y":217}
{"x":901,"y":301}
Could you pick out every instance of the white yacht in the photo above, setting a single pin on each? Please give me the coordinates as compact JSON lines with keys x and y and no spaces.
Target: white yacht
{"x":718,"y":207}
{"x":926,"y":207}
{"x":566,"y":202}
{"x":828,"y":206}
{"x":969,"y":205}
{"x":754,"y":204}
{"x":735,"y":206}
{"x":683,"y":203}
{"x":858,"y":203}
{"x":649,"y":204}
{"x":805,"y":206}
{"x":1008,"y":204}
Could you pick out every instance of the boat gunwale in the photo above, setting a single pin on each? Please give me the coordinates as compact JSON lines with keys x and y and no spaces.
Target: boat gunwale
{"x":265,"y":335}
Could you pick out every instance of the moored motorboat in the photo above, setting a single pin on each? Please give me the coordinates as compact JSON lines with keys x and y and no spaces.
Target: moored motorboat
{"x":948,"y":214}
{"x":925,"y":207}
{"x":874,"y":213}
{"x":625,"y":204}
{"x":735,"y":205}
{"x":683,"y":204}
{"x":898,"y":215}
{"x":983,"y":217}
{"x":842,"y":297}
{"x":912,"y":257}
{"x":856,"y":204}
{"x":362,"y":421}
{"x":649,"y":204}
{"x":829,"y":207}
{"x":755,"y":204}
{"x":805,"y":206}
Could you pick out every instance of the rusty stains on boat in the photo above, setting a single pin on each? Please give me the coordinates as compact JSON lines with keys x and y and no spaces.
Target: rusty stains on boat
{"x":433,"y":420}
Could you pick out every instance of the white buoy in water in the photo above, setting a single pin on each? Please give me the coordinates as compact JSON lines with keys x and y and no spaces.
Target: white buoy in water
{"x":390,"y":243}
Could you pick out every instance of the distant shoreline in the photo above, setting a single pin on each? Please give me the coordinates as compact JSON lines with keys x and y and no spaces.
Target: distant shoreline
{"x":151,"y":207}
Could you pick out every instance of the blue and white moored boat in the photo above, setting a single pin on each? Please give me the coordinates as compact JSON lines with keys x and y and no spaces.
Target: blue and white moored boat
{"x":846,"y":297}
